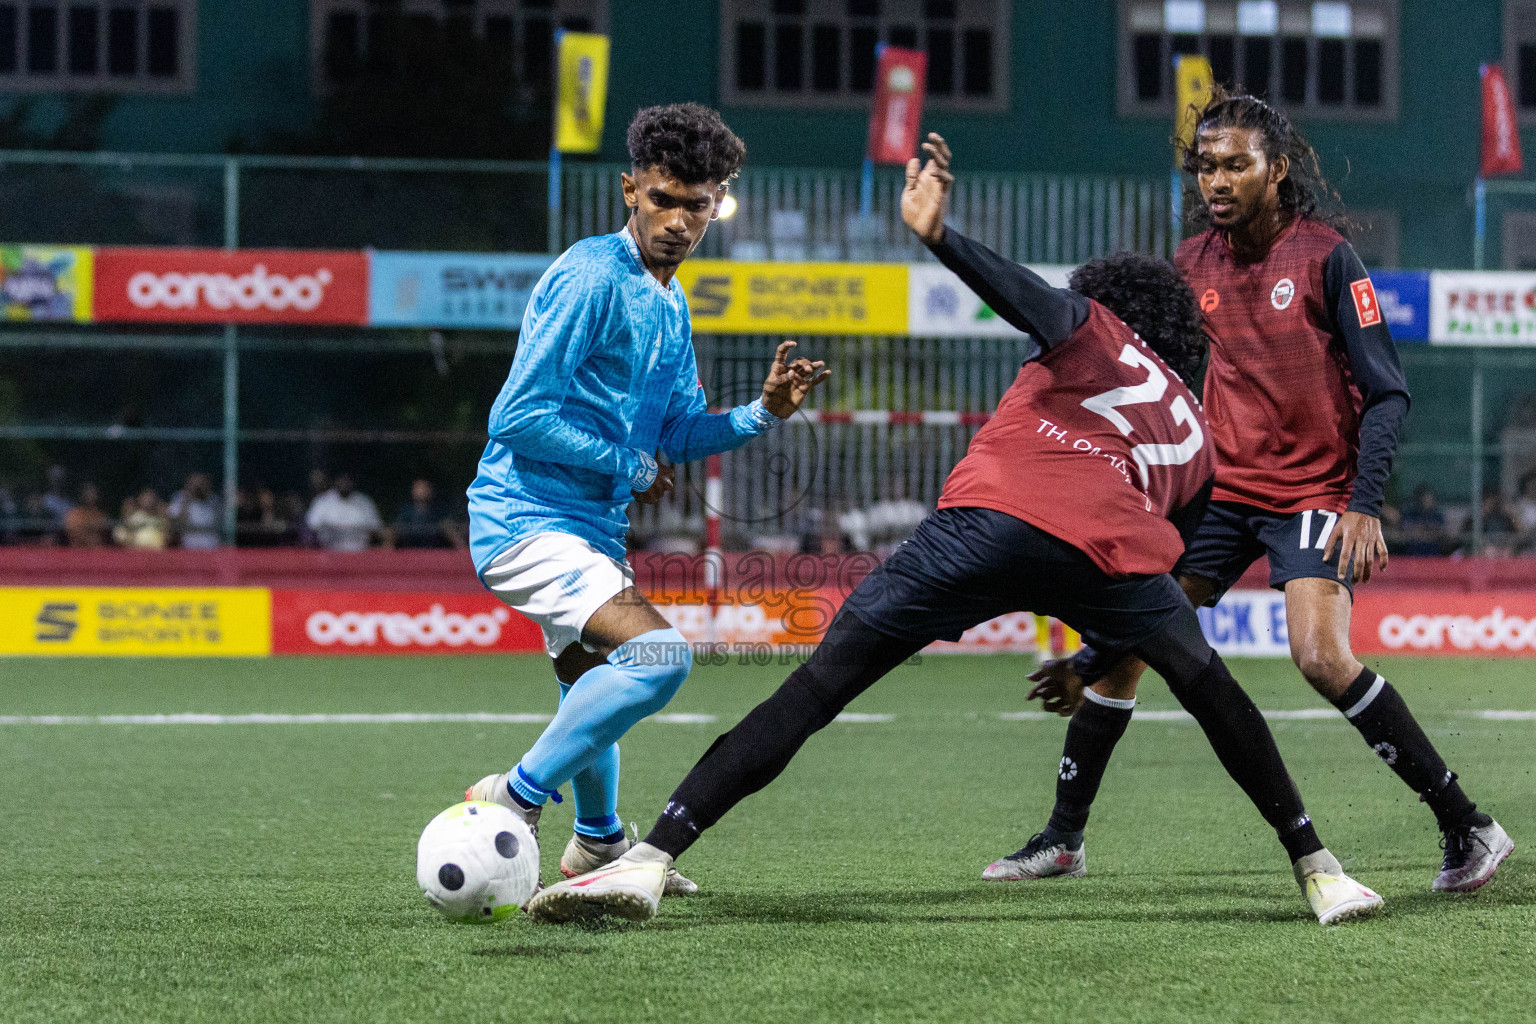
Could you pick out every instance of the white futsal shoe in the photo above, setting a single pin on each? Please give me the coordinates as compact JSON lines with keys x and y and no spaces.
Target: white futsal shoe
{"x":584,"y":854}
{"x":629,"y":888}
{"x":1039,"y":859}
{"x":1333,"y":895}
{"x":1472,"y":855}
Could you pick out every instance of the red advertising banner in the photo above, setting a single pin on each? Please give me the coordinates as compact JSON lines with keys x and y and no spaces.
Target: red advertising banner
{"x":362,"y":622}
{"x":900,"y":78}
{"x":1489,"y":624}
{"x":1501,"y":132}
{"x":248,"y":286}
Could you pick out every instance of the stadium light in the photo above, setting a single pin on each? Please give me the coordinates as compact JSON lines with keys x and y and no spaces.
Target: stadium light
{"x":728,"y":207}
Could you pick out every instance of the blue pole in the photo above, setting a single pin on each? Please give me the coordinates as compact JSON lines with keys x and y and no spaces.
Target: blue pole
{"x":554,"y":200}
{"x":1175,"y":209}
{"x":1480,"y":237}
{"x":867,"y":189}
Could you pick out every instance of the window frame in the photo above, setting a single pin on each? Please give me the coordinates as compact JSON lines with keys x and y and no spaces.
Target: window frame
{"x":558,"y":11}
{"x":141,"y":82}
{"x":1127,"y":103}
{"x":999,"y":20}
{"x":1511,"y":52}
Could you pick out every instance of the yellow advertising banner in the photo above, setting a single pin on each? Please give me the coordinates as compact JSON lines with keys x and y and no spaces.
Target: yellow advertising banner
{"x":730,"y":297}
{"x":135,"y":621}
{"x":46,"y":282}
{"x":583,"y":92}
{"x":1192,"y":80}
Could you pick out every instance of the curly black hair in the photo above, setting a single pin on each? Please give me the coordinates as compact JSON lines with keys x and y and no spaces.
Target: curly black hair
{"x":687,"y":140}
{"x":1154,"y":301}
{"x":1304,"y":192}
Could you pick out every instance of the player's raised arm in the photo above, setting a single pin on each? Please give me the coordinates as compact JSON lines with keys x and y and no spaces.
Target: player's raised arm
{"x":691,"y":432}
{"x":527,"y":414}
{"x":1015,"y":293}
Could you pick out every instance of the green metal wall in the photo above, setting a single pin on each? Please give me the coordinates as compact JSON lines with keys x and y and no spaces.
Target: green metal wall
{"x":253,"y":80}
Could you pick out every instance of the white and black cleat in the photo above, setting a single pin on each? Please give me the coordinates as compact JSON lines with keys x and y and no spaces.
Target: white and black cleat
{"x":1039,"y":858}
{"x":1472,"y":855}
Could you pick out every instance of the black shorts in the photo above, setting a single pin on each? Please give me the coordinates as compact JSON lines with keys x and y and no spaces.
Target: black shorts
{"x":1232,"y":537}
{"x":964,"y":566}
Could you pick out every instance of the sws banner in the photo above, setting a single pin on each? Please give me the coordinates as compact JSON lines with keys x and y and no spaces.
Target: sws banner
{"x":135,"y":621}
{"x":451,"y":289}
{"x":246,"y":286}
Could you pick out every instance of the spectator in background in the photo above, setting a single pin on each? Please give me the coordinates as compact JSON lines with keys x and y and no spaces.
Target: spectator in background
{"x":1424,"y":524}
{"x":1499,"y":530}
{"x":319,"y":483}
{"x":1525,"y":513}
{"x":423,"y":522}
{"x":55,"y":503}
{"x":343,"y":518}
{"x":259,"y":522}
{"x":9,"y":514}
{"x":36,"y":525}
{"x":291,"y":509}
{"x":197,"y":514}
{"x":144,"y":524}
{"x":85,"y":524}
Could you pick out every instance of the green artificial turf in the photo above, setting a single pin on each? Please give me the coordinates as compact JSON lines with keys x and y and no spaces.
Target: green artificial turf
{"x":265,"y":872}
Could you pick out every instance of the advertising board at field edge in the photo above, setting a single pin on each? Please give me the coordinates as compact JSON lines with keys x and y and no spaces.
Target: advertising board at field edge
{"x":135,"y":621}
{"x":1404,"y":299}
{"x":451,"y":289}
{"x":1490,"y":624}
{"x":732,"y":297}
{"x":244,"y":286}
{"x":46,"y":282}
{"x":1494,"y":307}
{"x":374,"y":622}
{"x":940,"y":305}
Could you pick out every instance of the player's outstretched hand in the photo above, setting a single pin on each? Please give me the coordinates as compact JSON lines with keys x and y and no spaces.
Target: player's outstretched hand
{"x":1361,"y":546}
{"x":926,"y":195}
{"x":666,"y":474}
{"x":1058,"y":687}
{"x":789,"y":382}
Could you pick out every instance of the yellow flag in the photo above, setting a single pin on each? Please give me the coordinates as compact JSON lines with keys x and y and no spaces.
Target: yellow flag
{"x":1192,"y":91}
{"x":583,"y":92}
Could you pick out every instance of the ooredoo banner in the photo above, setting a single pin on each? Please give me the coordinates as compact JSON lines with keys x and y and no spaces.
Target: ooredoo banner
{"x":366,"y":622}
{"x":1491,"y":624}
{"x":247,"y":286}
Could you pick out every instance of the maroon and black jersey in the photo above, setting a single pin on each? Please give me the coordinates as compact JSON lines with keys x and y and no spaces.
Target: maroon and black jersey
{"x":1304,"y":391}
{"x":1097,"y":442}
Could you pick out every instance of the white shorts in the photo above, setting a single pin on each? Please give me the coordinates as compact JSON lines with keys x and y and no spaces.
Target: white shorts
{"x":558,"y":580}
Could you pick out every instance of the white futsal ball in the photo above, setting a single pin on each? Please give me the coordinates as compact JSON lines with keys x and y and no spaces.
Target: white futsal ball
{"x":477,"y":862}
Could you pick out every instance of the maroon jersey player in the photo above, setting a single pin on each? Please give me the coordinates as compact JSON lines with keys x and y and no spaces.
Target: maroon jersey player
{"x":1305,"y":398}
{"x":1073,"y":501}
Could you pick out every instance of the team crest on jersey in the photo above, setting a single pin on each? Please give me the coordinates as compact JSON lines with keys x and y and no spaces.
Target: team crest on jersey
{"x":1210,"y":300}
{"x":1283,"y":292}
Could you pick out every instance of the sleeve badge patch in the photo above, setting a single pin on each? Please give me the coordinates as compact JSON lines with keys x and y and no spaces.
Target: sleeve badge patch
{"x":1366,"y":307}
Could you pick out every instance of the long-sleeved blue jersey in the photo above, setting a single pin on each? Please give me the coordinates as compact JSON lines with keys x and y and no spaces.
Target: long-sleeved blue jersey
{"x":604,"y":375}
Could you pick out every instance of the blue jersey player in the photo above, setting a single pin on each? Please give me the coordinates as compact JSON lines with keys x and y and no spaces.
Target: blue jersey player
{"x":603,"y":391}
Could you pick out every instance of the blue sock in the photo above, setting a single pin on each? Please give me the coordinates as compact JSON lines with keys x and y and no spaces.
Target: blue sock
{"x":639,"y":679}
{"x":596,"y":789}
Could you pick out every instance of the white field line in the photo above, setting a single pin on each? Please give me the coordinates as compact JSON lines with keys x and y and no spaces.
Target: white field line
{"x":678,"y":718}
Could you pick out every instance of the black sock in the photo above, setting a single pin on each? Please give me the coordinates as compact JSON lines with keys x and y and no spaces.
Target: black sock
{"x":1242,"y":741}
{"x":1379,"y":712}
{"x":848,"y":660}
{"x":1091,"y":737}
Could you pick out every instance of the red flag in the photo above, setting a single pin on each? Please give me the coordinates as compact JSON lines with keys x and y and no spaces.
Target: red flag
{"x":1501,"y":132}
{"x":900,"y":77}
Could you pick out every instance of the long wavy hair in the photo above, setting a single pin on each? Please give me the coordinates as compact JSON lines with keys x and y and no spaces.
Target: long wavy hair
{"x":1304,"y":192}
{"x":1154,"y":300}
